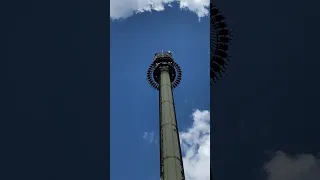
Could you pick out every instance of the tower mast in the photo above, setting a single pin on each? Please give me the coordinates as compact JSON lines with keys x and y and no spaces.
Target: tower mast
{"x":164,"y":75}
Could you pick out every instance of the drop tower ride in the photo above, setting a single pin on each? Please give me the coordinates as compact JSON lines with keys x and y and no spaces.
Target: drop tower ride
{"x":164,"y":74}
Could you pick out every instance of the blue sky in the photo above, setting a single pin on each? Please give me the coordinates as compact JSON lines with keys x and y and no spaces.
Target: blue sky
{"x":134,"y":111}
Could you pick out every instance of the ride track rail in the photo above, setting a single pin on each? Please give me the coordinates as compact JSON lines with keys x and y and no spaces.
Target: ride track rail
{"x":220,"y":39}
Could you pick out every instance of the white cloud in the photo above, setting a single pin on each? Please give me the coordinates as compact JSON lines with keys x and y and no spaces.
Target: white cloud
{"x":149,"y":136}
{"x":195,"y":145}
{"x":125,"y":8}
{"x":299,"y":167}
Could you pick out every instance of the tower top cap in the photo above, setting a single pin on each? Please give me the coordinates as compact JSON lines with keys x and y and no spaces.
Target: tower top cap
{"x":160,"y":60}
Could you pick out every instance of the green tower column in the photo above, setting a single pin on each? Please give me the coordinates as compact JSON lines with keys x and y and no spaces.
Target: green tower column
{"x":171,"y":159}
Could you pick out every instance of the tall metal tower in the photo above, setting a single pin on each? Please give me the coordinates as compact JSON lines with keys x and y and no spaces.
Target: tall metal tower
{"x":164,"y":75}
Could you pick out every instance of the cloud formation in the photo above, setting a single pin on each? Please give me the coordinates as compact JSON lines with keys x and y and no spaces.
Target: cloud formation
{"x":299,"y":167}
{"x":124,"y":8}
{"x":195,"y":145}
{"x":149,"y":136}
